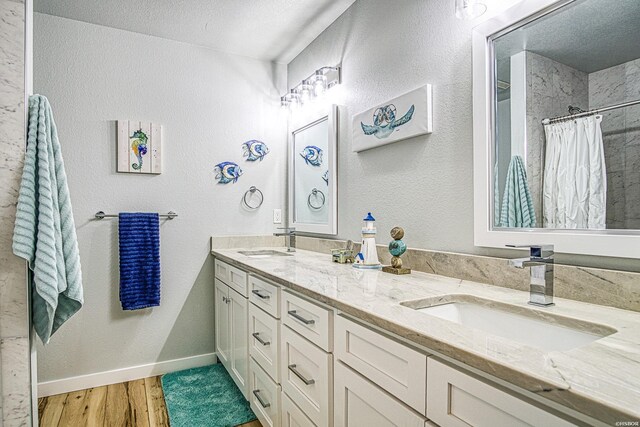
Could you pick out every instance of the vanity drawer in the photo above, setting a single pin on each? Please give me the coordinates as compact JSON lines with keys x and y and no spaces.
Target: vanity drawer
{"x":264,"y":396}
{"x":292,"y":416}
{"x":265,"y":295}
{"x":398,"y":369}
{"x":307,"y":377}
{"x":313,"y":322}
{"x":361,"y":403}
{"x":232,"y":276}
{"x":456,"y":399}
{"x":264,"y":340}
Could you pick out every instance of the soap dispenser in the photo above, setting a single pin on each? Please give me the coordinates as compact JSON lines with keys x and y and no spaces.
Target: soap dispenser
{"x":368,"y":256}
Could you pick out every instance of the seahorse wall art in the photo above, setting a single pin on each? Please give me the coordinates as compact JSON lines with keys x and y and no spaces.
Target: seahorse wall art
{"x":139,"y":147}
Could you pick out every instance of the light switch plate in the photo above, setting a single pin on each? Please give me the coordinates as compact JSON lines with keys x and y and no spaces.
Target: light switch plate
{"x":277,"y":216}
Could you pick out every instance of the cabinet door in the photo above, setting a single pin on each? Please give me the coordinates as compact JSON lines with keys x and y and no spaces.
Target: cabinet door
{"x":455,"y":399}
{"x":307,"y":376}
{"x":264,"y":341}
{"x":239,"y":340}
{"x":222,"y":322}
{"x":396,"y":368}
{"x":264,"y":396}
{"x":313,"y":322}
{"x":360,"y":403}
{"x":291,"y":415}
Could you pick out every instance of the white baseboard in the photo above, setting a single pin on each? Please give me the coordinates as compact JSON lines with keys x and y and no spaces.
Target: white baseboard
{"x":82,"y":382}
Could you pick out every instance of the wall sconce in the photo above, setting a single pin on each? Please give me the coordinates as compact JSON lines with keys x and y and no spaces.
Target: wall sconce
{"x":312,"y":87}
{"x":469,"y":9}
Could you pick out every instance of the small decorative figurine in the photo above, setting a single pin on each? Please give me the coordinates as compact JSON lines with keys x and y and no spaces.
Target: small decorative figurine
{"x":368,"y":256}
{"x":344,"y":255}
{"x":397,"y":247}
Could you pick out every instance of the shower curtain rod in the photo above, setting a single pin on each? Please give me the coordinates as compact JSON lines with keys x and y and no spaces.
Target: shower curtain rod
{"x":590,"y":112}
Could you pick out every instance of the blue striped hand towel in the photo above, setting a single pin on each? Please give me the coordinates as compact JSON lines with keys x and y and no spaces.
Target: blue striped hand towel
{"x":139,"y":239}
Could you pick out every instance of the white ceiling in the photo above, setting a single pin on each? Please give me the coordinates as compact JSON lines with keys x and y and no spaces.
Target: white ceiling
{"x":273,"y":30}
{"x":588,"y":35}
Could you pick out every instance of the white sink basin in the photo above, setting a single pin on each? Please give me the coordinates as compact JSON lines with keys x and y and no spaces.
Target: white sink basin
{"x":524,"y":325}
{"x":266,"y":253}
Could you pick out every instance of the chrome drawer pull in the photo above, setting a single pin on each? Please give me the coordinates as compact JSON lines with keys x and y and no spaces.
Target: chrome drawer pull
{"x":256,"y":335}
{"x":259,"y":294}
{"x":294,"y":314}
{"x":293,"y":369}
{"x":264,"y":404}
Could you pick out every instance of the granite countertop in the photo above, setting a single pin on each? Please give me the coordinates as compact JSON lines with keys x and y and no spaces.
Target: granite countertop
{"x":601,"y":379}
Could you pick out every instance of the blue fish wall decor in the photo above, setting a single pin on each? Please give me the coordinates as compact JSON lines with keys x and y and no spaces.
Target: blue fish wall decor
{"x":254,"y":150}
{"x":384,"y":121}
{"x":227,"y":172}
{"x":312,"y":155}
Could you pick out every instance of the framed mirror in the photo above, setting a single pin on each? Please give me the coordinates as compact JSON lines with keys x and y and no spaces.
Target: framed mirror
{"x":556,"y":93}
{"x":313,"y":139}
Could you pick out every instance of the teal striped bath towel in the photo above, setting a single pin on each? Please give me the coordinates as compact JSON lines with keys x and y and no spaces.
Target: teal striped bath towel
{"x":44,"y":233}
{"x":517,"y":205}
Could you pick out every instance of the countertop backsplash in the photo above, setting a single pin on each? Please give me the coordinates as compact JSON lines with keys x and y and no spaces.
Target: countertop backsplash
{"x":611,"y":288}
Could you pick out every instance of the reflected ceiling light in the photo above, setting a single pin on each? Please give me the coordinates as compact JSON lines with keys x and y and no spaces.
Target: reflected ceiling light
{"x":469,"y":9}
{"x":312,"y":87}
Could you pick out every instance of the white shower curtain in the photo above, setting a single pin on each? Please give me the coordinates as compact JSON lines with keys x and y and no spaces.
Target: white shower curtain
{"x":575,"y":178}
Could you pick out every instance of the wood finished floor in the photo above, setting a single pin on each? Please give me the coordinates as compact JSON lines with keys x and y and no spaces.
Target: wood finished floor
{"x":138,"y":403}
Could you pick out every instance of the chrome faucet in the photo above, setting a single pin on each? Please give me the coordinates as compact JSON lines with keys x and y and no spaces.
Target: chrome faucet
{"x":541,"y":262}
{"x":291,"y":237}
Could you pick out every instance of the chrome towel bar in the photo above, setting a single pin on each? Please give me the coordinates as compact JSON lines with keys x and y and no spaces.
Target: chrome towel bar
{"x":102,"y":215}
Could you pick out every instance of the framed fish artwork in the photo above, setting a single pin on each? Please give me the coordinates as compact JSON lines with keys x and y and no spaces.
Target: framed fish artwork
{"x":139,"y":147}
{"x":400,"y":118}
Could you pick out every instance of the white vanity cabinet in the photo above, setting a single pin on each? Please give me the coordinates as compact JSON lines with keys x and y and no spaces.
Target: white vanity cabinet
{"x":299,"y":363}
{"x":456,"y":399}
{"x":380,"y":381}
{"x":231,"y":316}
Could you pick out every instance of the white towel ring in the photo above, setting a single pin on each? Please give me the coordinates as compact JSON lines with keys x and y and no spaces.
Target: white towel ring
{"x":317,"y":194}
{"x":247,"y":195}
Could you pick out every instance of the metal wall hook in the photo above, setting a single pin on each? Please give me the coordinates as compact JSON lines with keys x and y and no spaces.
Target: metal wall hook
{"x":317,"y":194}
{"x":250,"y":192}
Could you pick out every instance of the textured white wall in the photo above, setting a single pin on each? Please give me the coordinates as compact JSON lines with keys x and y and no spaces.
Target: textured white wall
{"x":424,"y":184}
{"x":209,"y":104}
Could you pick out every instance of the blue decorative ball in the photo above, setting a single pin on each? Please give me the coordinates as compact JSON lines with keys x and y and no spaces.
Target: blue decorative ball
{"x":397,"y":247}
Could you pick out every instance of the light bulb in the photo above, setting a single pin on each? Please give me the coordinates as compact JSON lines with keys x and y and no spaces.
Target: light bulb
{"x":319,"y":83}
{"x":305,"y":92}
{"x":294,"y":99}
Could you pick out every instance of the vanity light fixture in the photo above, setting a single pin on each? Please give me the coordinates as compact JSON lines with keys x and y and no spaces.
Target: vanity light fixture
{"x":312,"y":87}
{"x":469,"y":9}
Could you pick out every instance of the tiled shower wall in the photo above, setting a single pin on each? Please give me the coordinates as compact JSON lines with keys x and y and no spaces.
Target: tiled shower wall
{"x":621,"y":137}
{"x":15,"y":401}
{"x":551,"y":88}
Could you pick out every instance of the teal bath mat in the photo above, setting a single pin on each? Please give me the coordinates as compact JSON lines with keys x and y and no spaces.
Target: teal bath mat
{"x":204,"y":397}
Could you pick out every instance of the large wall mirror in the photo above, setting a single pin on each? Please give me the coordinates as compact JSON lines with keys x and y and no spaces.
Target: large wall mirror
{"x":312,"y":171}
{"x":557,"y":126}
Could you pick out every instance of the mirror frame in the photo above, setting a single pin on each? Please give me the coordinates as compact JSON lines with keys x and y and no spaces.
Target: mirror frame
{"x":613,"y":243}
{"x":305,"y":117}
